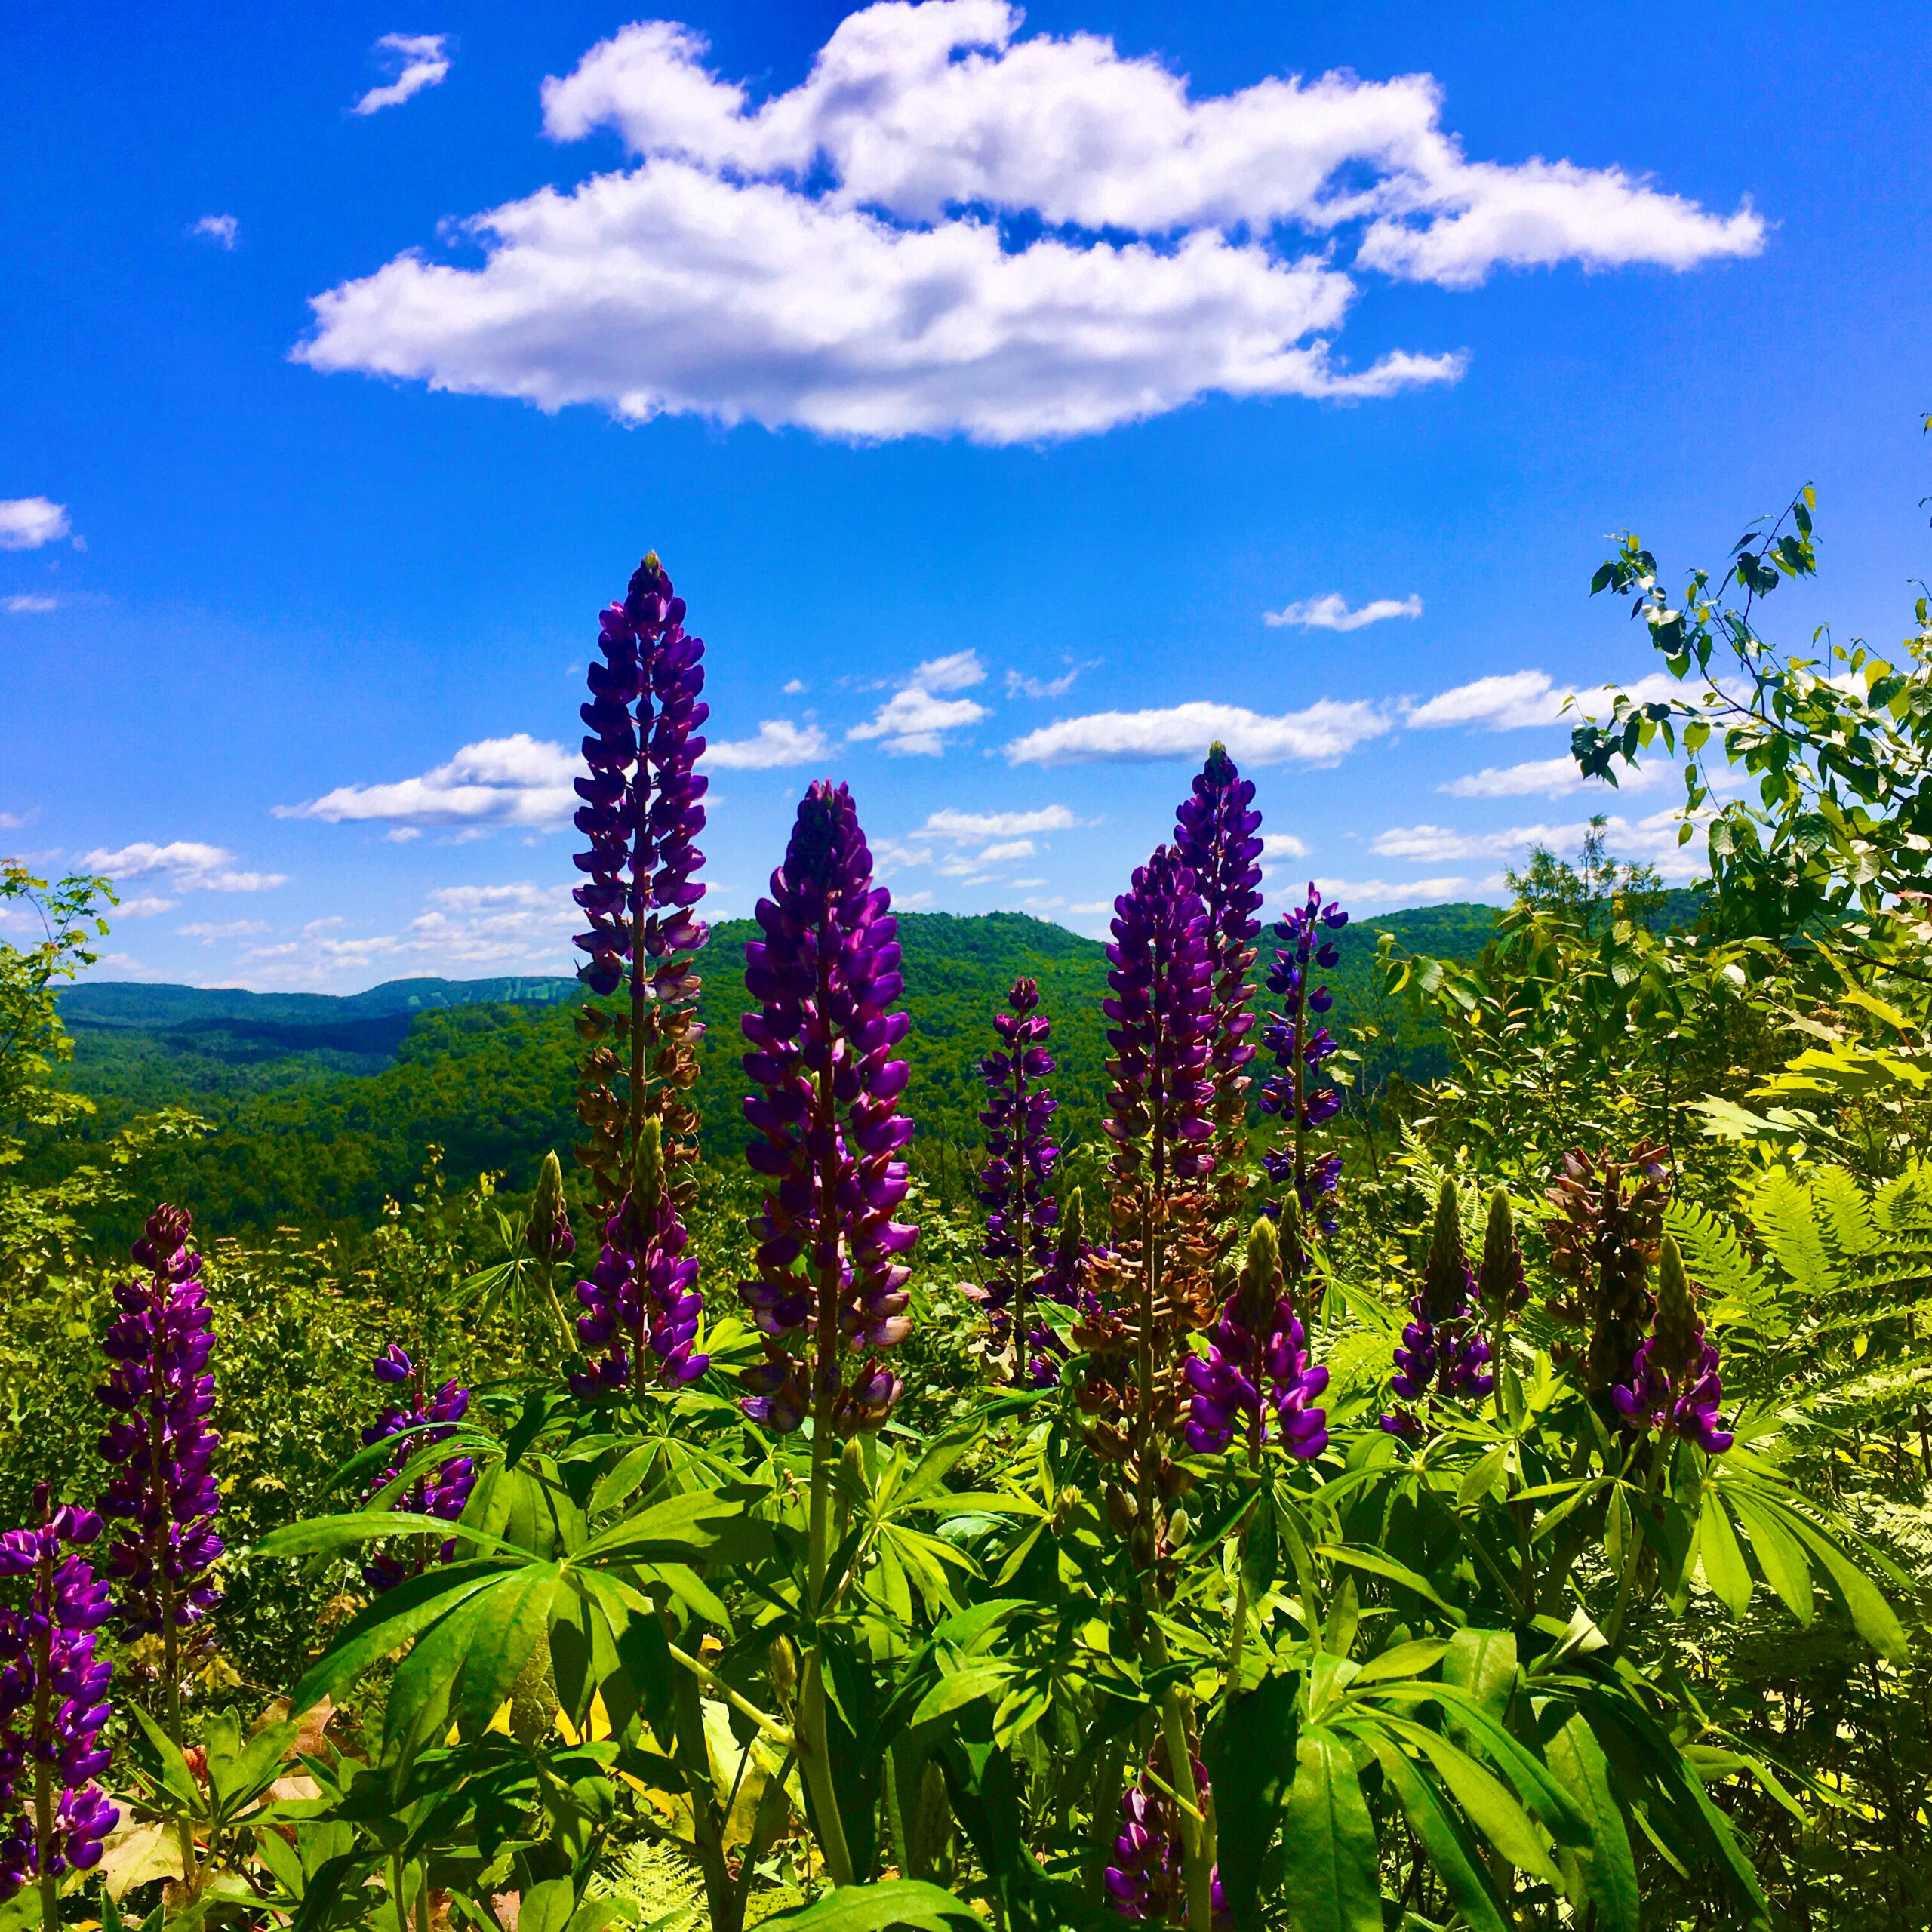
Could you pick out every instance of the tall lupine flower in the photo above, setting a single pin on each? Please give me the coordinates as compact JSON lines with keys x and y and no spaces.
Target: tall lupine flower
{"x":1297,"y":1093}
{"x":1013,"y":1183}
{"x":421,"y":1419}
{"x":1501,"y":1288}
{"x":547,"y":1235}
{"x":640,"y":813}
{"x":1442,"y":1355}
{"x":830,"y":1294}
{"x":1603,"y":1241}
{"x":163,"y":1488}
{"x":641,"y":1304}
{"x":1675,"y":1387}
{"x":1149,"y":1880}
{"x":1255,"y":1372}
{"x":53,"y":1706}
{"x":1217,"y":837}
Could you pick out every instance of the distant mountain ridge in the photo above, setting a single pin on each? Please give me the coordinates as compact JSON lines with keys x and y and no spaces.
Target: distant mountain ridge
{"x":149,"y":1007}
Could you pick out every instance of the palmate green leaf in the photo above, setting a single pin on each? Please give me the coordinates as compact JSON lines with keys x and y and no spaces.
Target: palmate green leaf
{"x":1488,"y":1806}
{"x":949,"y":1693}
{"x":329,"y":1536}
{"x":1780,"y":1555}
{"x":1377,"y":1564}
{"x":1483,"y":1662}
{"x":1409,"y":1660}
{"x":468,"y":1661}
{"x":388,"y":1623}
{"x":701,"y":1525}
{"x":1331,"y":1883}
{"x":1440,"y":1834}
{"x":238,"y":1780}
{"x":1872,"y":1616}
{"x":165,"y":1764}
{"x":910,"y":1903}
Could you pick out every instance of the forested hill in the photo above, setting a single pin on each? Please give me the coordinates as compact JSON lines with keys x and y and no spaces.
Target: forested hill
{"x":322,"y":1105}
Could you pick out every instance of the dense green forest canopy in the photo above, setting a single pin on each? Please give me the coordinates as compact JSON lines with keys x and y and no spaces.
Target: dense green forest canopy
{"x":319,"y":1107}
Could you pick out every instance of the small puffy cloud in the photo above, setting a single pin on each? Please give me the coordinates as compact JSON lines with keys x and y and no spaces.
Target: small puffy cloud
{"x":792,"y":687}
{"x":964,"y":845}
{"x":209,"y":930}
{"x":1331,"y":613}
{"x":1431,"y":844}
{"x":27,"y":522}
{"x":1086,"y":908}
{"x":960,"y":671}
{"x":913,"y":722}
{"x":222,"y":229}
{"x":184,"y":864}
{"x":145,"y":907}
{"x":415,"y":60}
{"x":967,"y":828}
{"x":1283,"y":845}
{"x":778,"y":742}
{"x":26,"y":604}
{"x":1505,"y":703}
{"x":519,"y":780}
{"x":1324,"y":732}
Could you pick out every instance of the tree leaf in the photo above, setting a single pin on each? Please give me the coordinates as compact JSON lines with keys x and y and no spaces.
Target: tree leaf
{"x":910,"y":1903}
{"x":1332,"y":1883}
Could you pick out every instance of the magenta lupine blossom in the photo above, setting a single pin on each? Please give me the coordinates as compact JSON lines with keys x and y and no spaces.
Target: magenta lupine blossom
{"x":1255,"y":1379}
{"x":1013,"y":1183}
{"x":1149,"y":1881}
{"x":421,"y":1419}
{"x":1442,"y":1354}
{"x":163,"y":1488}
{"x":51,"y":1642}
{"x":1160,"y":1004}
{"x":1675,"y":1387}
{"x":830,"y":1296}
{"x":641,"y":811}
{"x":1297,"y":1093}
{"x":644,"y":1316}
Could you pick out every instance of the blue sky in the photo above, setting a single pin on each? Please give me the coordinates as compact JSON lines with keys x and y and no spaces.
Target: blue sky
{"x":985,"y":384}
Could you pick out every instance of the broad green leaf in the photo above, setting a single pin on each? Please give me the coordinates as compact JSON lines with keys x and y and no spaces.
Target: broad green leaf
{"x":1489,"y":1808}
{"x":1780,"y":1555}
{"x":1483,"y":1662}
{"x":463,"y":1656}
{"x":982,"y":1680}
{"x":1331,"y":1880}
{"x":900,"y":1902}
{"x":168,"y":1766}
{"x":680,"y":1530}
{"x":1377,"y":1564}
{"x":1403,"y":1660}
{"x":239,"y":1779}
{"x":1250,"y":1751}
{"x":325,"y":1536}
{"x":1724,"y":1563}
{"x":1481,"y":1478}
{"x":1871,"y":1614}
{"x":547,"y":1907}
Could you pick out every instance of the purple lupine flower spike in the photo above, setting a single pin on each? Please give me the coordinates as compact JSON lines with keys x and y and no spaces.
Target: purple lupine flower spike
{"x":1217,"y":837}
{"x":1675,"y":1388}
{"x":163,"y":1487}
{"x":832,"y":1272}
{"x":1013,"y":1182}
{"x":1442,"y":1354}
{"x":442,"y":1491}
{"x":641,"y":1304}
{"x":1256,"y":1379}
{"x":1149,"y":1880}
{"x":53,"y":1742}
{"x":642,"y":813}
{"x":1297,"y":1093}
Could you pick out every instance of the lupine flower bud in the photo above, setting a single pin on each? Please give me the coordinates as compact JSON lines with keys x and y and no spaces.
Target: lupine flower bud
{"x":1500,"y":1287}
{"x":163,"y":1487}
{"x":1013,"y":1182}
{"x":549,"y":1236}
{"x":1296,"y":1092}
{"x":50,"y":1644}
{"x":442,"y":1492}
{"x":1675,"y":1387}
{"x":641,"y":1302}
{"x":831,"y":1284}
{"x":1256,"y":1365}
{"x":1442,"y":1352}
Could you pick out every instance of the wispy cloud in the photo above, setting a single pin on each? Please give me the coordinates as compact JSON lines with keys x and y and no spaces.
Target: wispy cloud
{"x":209,"y":930}
{"x":1545,"y":777}
{"x":187,"y":865}
{"x":27,"y":522}
{"x":416,"y":61}
{"x":778,"y":742}
{"x":221,"y":229}
{"x":969,"y":847}
{"x":27,"y":603}
{"x":1331,"y":613}
{"x":1324,"y":732}
{"x":517,"y":781}
{"x":1018,"y":684}
{"x":1398,"y":893}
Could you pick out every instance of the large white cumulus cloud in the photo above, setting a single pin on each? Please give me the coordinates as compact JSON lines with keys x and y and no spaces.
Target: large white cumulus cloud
{"x":843,"y":256}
